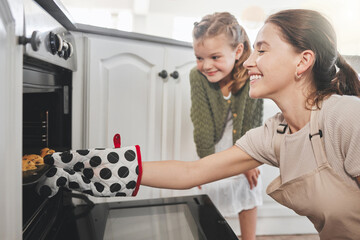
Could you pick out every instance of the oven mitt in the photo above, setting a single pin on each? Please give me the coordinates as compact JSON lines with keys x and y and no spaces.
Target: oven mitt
{"x":99,"y":172}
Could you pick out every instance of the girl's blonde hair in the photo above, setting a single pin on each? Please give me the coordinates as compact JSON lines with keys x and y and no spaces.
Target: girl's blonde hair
{"x":225,"y":23}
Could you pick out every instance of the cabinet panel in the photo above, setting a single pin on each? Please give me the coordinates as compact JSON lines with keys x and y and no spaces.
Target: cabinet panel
{"x":124,"y":95}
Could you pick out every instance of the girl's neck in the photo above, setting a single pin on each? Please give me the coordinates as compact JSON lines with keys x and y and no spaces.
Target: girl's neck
{"x":224,"y":86}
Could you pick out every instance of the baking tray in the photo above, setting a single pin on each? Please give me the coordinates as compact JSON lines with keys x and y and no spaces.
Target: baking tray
{"x":31,"y":177}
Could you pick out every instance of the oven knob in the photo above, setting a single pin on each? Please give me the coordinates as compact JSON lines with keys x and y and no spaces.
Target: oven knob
{"x":64,"y":52}
{"x":55,"y":42}
{"x":34,"y":40}
{"x":69,"y":51}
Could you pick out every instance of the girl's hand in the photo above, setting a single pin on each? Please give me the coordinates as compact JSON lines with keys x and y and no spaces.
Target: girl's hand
{"x":252,"y":176}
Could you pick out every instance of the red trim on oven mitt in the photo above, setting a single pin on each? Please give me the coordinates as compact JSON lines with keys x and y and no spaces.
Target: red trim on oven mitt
{"x":105,"y":172}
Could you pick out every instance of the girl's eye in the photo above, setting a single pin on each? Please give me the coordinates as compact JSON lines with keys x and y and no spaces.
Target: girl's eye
{"x":215,"y":57}
{"x":199,"y":58}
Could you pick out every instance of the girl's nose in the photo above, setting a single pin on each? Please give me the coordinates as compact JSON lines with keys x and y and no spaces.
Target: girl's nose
{"x":207,"y":64}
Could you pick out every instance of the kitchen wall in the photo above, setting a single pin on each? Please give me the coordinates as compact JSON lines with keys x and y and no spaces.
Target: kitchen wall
{"x":174,"y":18}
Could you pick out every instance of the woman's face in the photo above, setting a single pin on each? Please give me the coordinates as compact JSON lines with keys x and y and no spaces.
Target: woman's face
{"x":215,"y":57}
{"x":272,"y":65}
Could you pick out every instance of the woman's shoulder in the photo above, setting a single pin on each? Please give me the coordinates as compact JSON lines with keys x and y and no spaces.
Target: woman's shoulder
{"x":340,"y":111}
{"x":274,"y":121}
{"x":341,"y":105}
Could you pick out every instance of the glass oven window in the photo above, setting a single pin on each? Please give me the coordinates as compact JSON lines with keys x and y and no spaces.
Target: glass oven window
{"x":154,"y":222}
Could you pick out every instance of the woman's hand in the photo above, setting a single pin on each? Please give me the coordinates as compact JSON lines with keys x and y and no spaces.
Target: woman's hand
{"x":252,"y":176}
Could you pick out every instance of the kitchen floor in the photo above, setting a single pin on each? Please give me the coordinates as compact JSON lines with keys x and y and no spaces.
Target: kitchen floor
{"x":289,"y":237}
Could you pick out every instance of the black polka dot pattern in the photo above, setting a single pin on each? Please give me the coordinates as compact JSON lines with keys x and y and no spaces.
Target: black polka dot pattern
{"x":88,"y":173}
{"x":105,"y":173}
{"x":113,"y":157}
{"x":78,"y":166}
{"x":61,"y":181}
{"x":95,"y":161}
{"x":74,"y":185}
{"x":83,"y":152}
{"x":66,"y":157}
{"x":115,"y":187}
{"x":97,"y":172}
{"x":130,"y":155}
{"x":85,"y":179}
{"x":123,"y":172}
{"x":99,"y":187}
{"x":131,"y":185}
{"x":51,"y":172}
{"x":69,"y":171}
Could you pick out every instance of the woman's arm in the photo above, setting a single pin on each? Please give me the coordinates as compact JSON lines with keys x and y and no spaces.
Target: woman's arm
{"x":183,"y":175}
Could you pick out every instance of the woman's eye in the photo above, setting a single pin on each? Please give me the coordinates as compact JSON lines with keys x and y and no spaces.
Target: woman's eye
{"x":260,"y":51}
{"x":215,"y":57}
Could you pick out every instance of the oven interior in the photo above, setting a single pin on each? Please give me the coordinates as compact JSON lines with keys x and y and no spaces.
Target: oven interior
{"x":46,"y":123}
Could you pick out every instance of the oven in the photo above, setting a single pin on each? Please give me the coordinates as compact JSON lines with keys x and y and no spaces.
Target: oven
{"x":49,"y":62}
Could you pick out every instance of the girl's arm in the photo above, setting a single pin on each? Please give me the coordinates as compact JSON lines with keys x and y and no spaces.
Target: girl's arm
{"x":183,"y":175}
{"x":201,"y":115}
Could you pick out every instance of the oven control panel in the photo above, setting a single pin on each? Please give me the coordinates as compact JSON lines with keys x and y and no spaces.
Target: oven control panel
{"x":45,"y":38}
{"x":55,"y":46}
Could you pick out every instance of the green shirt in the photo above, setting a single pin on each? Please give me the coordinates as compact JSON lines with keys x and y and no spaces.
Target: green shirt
{"x":209,"y":111}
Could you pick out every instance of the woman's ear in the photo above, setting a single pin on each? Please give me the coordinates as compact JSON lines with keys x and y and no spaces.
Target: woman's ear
{"x":307,"y":60}
{"x":239,"y":51}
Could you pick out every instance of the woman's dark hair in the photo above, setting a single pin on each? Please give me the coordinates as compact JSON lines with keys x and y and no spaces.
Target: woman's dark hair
{"x":309,"y":30}
{"x":225,"y":23}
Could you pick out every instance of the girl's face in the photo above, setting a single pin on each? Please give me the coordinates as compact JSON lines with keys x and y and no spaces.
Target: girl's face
{"x":215,"y":57}
{"x":272,"y":65}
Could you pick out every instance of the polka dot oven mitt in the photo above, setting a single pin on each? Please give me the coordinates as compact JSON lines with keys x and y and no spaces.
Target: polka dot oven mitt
{"x":99,"y":172}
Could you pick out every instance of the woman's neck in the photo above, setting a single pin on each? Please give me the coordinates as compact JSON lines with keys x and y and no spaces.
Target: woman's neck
{"x":295,"y":112}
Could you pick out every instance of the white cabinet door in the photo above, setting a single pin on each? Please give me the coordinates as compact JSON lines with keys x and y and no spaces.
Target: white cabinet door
{"x":11,"y":26}
{"x":177,"y":126}
{"x":178,"y":140}
{"x":124,"y":95}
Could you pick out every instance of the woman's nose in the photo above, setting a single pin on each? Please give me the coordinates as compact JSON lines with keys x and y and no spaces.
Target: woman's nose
{"x":250,"y":62}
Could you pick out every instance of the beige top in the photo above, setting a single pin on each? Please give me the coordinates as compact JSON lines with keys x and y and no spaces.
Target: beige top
{"x":339,"y":119}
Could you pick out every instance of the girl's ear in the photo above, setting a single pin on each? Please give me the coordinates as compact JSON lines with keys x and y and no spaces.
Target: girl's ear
{"x":239,"y":51}
{"x":307,"y":60}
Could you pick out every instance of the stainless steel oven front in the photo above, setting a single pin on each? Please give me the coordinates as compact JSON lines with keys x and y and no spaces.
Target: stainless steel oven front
{"x":49,"y":62}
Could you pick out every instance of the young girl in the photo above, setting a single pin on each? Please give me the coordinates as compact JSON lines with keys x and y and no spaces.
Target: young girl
{"x":222,"y":111}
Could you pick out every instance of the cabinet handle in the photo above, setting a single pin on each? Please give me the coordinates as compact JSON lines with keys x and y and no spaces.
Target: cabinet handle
{"x":174,"y":74}
{"x":163,"y":74}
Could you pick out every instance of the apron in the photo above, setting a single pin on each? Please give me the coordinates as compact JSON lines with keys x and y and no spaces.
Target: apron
{"x":331,"y":205}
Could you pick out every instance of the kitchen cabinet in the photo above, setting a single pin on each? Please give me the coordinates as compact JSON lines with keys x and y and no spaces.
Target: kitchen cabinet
{"x":128,"y":92}
{"x":11,"y":26}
